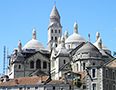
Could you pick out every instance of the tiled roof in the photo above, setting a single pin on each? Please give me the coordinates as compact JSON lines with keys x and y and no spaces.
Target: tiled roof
{"x":112,"y":64}
{"x":57,"y":82}
{"x":24,"y":81}
{"x":83,"y":74}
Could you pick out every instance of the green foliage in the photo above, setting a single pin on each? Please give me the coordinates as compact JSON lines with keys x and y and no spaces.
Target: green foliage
{"x":77,"y":83}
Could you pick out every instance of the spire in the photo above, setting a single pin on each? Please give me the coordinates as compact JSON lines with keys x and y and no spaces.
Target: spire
{"x":97,"y":35}
{"x":62,"y":41}
{"x":34,"y":34}
{"x":75,"y":27}
{"x":19,"y":46}
{"x":89,"y":37}
{"x":66,"y":35}
{"x":54,"y":13}
{"x":59,"y":40}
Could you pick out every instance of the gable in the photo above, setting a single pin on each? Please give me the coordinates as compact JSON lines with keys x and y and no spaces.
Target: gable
{"x":40,"y":56}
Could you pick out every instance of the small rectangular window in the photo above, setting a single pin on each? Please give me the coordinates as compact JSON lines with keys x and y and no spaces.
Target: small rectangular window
{"x":83,"y":66}
{"x":113,"y":75}
{"x":55,"y":31}
{"x":106,"y":73}
{"x":53,"y":87}
{"x":36,"y":88}
{"x":59,"y":30}
{"x":44,"y":65}
{"x":19,"y":67}
{"x":93,"y":86}
{"x":28,"y":88}
{"x":20,"y":88}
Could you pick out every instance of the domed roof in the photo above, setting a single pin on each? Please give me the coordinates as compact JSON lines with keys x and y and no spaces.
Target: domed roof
{"x":75,"y":37}
{"x":33,"y":43}
{"x":103,"y":46}
{"x":99,"y":40}
{"x":88,"y":50}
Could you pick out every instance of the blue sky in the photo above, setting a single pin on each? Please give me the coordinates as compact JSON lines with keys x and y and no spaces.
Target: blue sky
{"x":18,"y":17}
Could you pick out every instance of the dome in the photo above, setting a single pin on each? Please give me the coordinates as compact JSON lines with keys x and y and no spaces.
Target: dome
{"x":103,"y":46}
{"x":88,"y":50}
{"x":33,"y":43}
{"x":75,"y":38}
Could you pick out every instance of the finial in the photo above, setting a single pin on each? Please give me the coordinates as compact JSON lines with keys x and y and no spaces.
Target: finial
{"x":63,"y":41}
{"x":66,"y":35}
{"x":75,"y":28}
{"x":34,"y":33}
{"x":100,"y":43}
{"x":54,"y":2}
{"x":97,"y":35}
{"x":89,"y":37}
{"x":19,"y":46}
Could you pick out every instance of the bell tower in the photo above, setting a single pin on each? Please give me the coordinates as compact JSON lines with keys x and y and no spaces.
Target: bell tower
{"x":54,"y":28}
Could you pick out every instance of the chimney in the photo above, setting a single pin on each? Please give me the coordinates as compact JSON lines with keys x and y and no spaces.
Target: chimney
{"x":16,"y":81}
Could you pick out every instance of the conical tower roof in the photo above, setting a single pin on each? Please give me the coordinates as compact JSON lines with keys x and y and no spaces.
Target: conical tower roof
{"x":54,"y":13}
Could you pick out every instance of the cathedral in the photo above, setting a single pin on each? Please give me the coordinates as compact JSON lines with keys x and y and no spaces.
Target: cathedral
{"x":69,"y":58}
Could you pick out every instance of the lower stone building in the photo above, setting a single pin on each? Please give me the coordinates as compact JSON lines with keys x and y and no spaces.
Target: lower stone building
{"x":102,"y":77}
{"x":34,"y":83}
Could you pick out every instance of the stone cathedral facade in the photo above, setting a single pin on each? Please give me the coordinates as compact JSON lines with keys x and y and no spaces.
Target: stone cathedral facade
{"x":70,"y":58}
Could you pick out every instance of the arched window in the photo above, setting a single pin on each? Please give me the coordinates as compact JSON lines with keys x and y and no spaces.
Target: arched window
{"x":31,"y":64}
{"x":44,"y":65}
{"x":93,"y":63}
{"x":52,"y":31}
{"x":93,"y":73}
{"x":19,"y":67}
{"x":51,"y":38}
{"x":55,"y":31}
{"x":56,"y":45}
{"x":55,"y":38}
{"x":64,"y":61}
{"x":38,"y":64}
{"x":83,"y":66}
